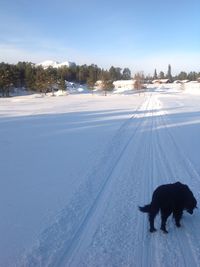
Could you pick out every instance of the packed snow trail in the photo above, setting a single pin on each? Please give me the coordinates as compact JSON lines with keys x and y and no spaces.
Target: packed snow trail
{"x":102,"y":225}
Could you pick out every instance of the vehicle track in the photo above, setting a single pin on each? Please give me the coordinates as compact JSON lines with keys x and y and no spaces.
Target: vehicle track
{"x":176,"y":166}
{"x":58,"y":242}
{"x":168,"y":164}
{"x":70,"y":254}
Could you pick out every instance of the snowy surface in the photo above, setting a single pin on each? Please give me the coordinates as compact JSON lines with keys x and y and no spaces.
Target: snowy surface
{"x":50,"y":63}
{"x":75,"y":168}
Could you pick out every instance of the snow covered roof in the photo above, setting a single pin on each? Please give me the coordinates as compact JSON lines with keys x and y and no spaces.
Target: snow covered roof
{"x":193,"y":82}
{"x":123,"y":82}
{"x":181,"y":81}
{"x":184,"y":81}
{"x":122,"y":85}
{"x":160,"y":81}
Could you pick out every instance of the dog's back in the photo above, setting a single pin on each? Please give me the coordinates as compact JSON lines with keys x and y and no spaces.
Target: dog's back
{"x":169,"y":195}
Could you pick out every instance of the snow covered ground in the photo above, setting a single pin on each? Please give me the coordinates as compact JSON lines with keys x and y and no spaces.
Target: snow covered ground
{"x":75,"y":168}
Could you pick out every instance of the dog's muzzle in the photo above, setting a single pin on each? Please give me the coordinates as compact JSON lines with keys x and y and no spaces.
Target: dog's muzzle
{"x":190,"y":211}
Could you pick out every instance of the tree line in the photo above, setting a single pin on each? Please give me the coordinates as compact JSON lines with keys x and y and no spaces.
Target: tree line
{"x":191,"y":76}
{"x":35,"y":78}
{"x":32,"y":77}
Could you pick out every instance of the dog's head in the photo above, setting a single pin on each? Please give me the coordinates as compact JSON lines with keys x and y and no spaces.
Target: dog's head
{"x":191,"y":205}
{"x":190,"y":200}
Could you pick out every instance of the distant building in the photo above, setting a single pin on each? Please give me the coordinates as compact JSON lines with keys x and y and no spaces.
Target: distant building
{"x":184,"y":81}
{"x":126,"y":84}
{"x":98,"y":84}
{"x":177,"y":81}
{"x":161,"y":81}
{"x":181,"y":81}
{"x":193,"y":82}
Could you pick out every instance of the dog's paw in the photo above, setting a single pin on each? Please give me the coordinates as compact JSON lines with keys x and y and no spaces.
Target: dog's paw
{"x":164,"y":230}
{"x":152,"y":230}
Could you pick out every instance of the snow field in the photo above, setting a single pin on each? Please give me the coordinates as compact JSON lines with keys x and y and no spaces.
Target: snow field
{"x":104,"y":157}
{"x":47,"y":147}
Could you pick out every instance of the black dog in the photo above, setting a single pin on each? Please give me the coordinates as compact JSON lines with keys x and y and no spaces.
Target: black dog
{"x":170,"y":198}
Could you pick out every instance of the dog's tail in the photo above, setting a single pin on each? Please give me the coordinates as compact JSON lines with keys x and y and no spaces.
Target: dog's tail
{"x":146,"y":208}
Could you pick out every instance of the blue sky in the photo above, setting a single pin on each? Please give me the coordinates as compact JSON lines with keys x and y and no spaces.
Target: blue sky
{"x":142,"y":35}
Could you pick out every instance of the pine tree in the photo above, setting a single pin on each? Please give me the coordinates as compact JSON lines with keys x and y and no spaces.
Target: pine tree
{"x":192,"y":76}
{"x":30,"y":77}
{"x":182,"y":75}
{"x":155,"y":76}
{"x":6,"y":77}
{"x":21,"y":67}
{"x":161,"y":75}
{"x":126,"y":74}
{"x":169,"y":74}
{"x":115,"y":73}
{"x":41,"y":80}
{"x":93,"y":71}
{"x":62,"y":85}
{"x":83,"y":74}
{"x":51,"y":78}
{"x":107,"y":84}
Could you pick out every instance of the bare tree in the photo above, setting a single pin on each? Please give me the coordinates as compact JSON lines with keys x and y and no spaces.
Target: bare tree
{"x":182,"y":86}
{"x":139,"y":80}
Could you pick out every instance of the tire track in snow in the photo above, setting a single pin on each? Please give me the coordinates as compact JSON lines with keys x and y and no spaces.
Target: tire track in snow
{"x":157,"y":249}
{"x":60,"y":240}
{"x":152,"y":250}
{"x":70,"y":256}
{"x":140,"y":244}
{"x":163,"y":175}
{"x":165,"y":169}
{"x":175,"y":168}
{"x":191,"y":177}
{"x":135,"y":244}
{"x":114,"y":246}
{"x":145,"y":243}
{"x":181,"y":246}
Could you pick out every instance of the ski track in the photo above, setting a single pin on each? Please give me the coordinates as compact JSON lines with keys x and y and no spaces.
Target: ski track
{"x":102,"y":225}
{"x":52,"y":248}
{"x":189,"y":175}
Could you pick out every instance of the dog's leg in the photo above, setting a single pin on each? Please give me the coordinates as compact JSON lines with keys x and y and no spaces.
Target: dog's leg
{"x":177,"y":214}
{"x":164,"y":215}
{"x":152,"y":216}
